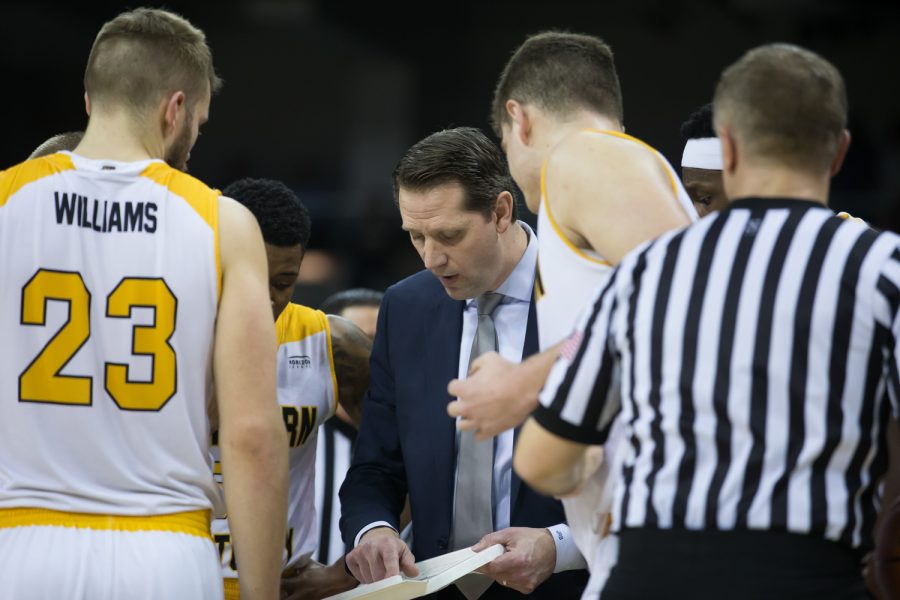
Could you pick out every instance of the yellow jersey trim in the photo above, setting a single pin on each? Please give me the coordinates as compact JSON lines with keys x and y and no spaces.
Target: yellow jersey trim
{"x":203,"y":199}
{"x":297,"y":322}
{"x":659,"y":158}
{"x":546,"y":201}
{"x":232,"y":588}
{"x":334,"y":382}
{"x":578,"y":251}
{"x":194,"y":522}
{"x":17,"y":177}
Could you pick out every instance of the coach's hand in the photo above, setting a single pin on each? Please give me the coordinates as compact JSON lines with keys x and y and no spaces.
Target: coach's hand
{"x":380,"y":554}
{"x":493,"y":398}
{"x":529,"y":559}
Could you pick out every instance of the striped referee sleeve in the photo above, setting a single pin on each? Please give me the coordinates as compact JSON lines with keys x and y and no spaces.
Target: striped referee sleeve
{"x":887,"y":314}
{"x":580,"y":398}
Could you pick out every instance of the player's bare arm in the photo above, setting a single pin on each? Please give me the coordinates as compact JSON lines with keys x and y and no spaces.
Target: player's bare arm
{"x":553,"y":465}
{"x":251,"y":431}
{"x":610,"y":195}
{"x":350,"y":348}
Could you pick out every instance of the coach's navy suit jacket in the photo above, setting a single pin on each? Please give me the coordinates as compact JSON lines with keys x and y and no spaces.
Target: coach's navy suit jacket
{"x":407,"y":442}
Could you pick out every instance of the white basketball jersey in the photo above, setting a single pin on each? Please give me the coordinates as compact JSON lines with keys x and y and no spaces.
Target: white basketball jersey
{"x":568,"y":276}
{"x":307,"y":393}
{"x":109,"y":283}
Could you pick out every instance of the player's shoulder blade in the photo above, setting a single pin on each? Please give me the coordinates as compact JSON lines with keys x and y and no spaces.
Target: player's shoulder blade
{"x":199,"y":196}
{"x":15,"y":178}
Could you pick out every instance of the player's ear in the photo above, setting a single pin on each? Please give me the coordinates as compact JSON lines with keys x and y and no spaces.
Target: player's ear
{"x":174,"y":104}
{"x":843,"y":145}
{"x":521,"y":121}
{"x":87,"y":104}
{"x":729,"y":150}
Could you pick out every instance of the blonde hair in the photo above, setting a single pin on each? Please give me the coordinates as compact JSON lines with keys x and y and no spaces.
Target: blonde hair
{"x":146,"y":53}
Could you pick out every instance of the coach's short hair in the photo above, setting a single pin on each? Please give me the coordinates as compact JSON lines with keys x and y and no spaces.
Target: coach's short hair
{"x":144,"y":54}
{"x":59,"y":142}
{"x":463,"y":155}
{"x":785,"y":105}
{"x":559,"y":72}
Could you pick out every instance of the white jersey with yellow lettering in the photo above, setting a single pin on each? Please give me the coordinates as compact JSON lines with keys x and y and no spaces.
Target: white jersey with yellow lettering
{"x":307,"y":393}
{"x":567,"y":280}
{"x":109,"y":300}
{"x":110,"y":282}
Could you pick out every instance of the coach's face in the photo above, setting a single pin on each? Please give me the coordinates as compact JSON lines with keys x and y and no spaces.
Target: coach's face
{"x":460,"y":247}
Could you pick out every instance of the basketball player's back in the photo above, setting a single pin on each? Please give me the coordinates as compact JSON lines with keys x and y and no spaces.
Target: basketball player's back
{"x":598,"y":193}
{"x":102,"y":257}
{"x":118,"y":303}
{"x":583,"y":235}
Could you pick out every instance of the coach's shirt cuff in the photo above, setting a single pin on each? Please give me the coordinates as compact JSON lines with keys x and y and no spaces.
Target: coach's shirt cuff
{"x":568,"y":558}
{"x":363,"y":531}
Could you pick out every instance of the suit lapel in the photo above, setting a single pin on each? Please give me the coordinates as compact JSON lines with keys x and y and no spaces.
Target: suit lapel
{"x":530,"y":347}
{"x":443,"y":334}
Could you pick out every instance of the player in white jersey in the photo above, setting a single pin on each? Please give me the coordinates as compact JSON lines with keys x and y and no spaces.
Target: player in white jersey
{"x":321,"y":360}
{"x":598,"y":193}
{"x":117,"y":302}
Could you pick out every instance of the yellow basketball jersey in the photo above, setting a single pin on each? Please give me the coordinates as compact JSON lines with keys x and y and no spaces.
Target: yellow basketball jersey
{"x":110,"y":282}
{"x":307,"y":393}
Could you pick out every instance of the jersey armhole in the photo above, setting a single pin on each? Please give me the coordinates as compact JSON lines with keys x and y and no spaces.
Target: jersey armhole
{"x":334,"y":382}
{"x":556,"y":228}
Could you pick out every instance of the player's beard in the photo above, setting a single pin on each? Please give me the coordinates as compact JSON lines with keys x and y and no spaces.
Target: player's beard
{"x":180,"y":150}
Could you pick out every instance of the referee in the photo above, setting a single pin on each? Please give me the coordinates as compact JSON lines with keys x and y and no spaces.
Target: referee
{"x":754,"y":355}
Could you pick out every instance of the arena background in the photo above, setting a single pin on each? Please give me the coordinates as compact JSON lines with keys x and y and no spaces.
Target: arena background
{"x":327,"y":95}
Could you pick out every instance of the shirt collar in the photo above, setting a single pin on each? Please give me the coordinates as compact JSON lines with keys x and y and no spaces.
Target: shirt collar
{"x":520,"y":283}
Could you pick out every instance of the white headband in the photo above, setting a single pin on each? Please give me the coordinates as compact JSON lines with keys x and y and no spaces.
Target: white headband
{"x":703,"y":153}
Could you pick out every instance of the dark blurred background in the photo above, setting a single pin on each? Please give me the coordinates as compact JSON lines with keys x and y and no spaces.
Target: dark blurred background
{"x":327,"y":95}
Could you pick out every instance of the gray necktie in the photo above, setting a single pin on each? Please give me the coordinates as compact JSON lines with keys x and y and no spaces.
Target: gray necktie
{"x":473,"y":507}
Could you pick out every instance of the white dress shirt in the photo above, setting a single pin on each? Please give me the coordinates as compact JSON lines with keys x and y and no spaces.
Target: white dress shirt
{"x":510,"y":323}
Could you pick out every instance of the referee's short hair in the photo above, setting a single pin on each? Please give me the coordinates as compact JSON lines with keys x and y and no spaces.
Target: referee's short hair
{"x":785,"y":105}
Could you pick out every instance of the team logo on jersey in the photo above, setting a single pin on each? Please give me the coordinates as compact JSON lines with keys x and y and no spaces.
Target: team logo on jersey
{"x":299,"y":361}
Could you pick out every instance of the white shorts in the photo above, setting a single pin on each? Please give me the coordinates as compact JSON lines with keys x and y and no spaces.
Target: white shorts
{"x":41,"y":562}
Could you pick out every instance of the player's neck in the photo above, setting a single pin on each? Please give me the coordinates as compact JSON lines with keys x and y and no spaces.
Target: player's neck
{"x":560,"y":129}
{"x":115,"y":136}
{"x":778,"y":182}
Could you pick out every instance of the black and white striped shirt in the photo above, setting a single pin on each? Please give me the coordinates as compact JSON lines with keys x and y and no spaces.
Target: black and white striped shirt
{"x":333,"y":456}
{"x":755,"y":357}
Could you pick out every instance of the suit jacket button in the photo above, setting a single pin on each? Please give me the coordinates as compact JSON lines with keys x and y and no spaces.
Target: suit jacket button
{"x":442,"y":543}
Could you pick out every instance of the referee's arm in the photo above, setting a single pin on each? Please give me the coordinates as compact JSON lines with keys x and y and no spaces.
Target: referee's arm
{"x":576,"y":408}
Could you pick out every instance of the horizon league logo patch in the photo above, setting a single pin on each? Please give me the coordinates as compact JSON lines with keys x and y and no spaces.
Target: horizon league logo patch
{"x":299,"y":361}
